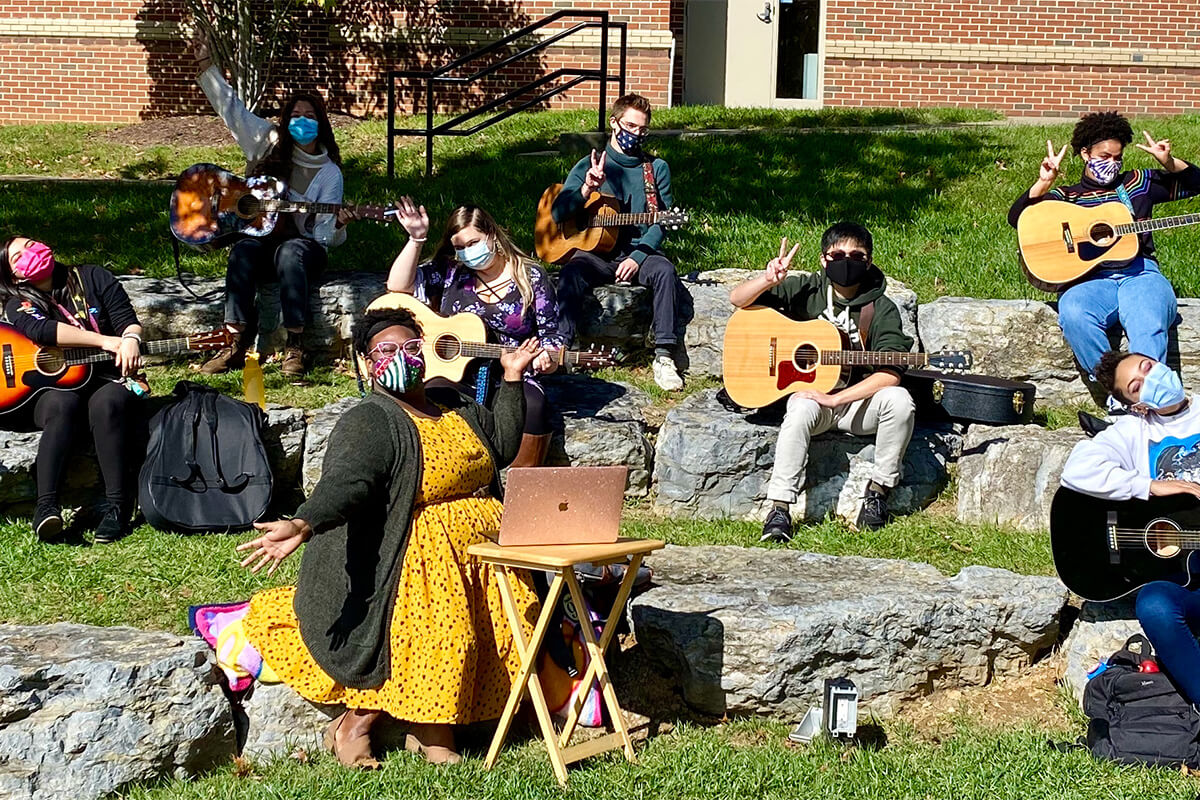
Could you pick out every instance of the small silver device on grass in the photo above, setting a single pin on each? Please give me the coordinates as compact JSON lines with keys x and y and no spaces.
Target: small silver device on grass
{"x":837,"y":716}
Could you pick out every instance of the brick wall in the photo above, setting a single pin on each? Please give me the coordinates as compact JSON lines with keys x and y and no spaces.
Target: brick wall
{"x":1033,"y":57}
{"x":125,"y":60}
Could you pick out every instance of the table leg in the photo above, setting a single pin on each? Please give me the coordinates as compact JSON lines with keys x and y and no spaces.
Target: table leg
{"x":596,"y":655}
{"x":527,"y":675}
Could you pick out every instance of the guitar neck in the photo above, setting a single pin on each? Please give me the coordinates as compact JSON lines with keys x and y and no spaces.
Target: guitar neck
{"x":490,"y":350}
{"x":1148,"y":225}
{"x":297,"y":207}
{"x":873,"y":358}
{"x":90,"y":355}
{"x":619,"y":220}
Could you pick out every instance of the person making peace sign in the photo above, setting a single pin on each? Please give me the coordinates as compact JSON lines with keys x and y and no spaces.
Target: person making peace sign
{"x":1134,"y":294}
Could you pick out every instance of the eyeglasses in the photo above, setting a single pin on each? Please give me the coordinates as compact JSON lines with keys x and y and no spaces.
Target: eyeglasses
{"x":636,"y":130}
{"x":389,"y":349}
{"x":853,"y":255}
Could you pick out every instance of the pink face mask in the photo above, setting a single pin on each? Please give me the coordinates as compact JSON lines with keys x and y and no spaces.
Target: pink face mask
{"x":34,"y":263}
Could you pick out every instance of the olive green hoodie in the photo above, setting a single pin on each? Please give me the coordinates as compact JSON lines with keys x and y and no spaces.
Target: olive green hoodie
{"x":806,"y":296}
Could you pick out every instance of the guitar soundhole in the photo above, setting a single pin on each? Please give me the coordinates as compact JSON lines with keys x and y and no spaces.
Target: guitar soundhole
{"x":248,"y":206}
{"x":50,"y":361}
{"x":806,"y":358}
{"x":1103,"y":233}
{"x":1162,"y":538}
{"x":447,"y":347}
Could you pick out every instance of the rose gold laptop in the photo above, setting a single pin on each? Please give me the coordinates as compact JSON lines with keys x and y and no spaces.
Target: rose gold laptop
{"x":562,"y":505}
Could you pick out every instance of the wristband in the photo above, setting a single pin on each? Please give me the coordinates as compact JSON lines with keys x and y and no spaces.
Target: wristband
{"x":415,"y":239}
{"x":136,"y":336}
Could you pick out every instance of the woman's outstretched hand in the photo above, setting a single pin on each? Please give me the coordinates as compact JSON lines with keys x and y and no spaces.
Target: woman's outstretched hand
{"x":280,"y":539}
{"x":517,"y":360}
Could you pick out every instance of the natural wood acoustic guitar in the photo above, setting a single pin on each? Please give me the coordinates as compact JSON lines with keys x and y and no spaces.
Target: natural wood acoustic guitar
{"x":1061,"y":242}
{"x":556,"y":243}
{"x":452,"y":342}
{"x":768,"y":356}
{"x":29,"y":369}
{"x":212,"y":208}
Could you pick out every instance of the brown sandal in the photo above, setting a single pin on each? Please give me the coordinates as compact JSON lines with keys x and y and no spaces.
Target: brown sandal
{"x":359,"y":757}
{"x":434,"y":754}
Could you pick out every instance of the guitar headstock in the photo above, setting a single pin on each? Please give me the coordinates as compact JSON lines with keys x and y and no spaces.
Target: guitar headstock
{"x":596,"y":357}
{"x":952,"y":360}
{"x":674,"y":219}
{"x":210,"y":340}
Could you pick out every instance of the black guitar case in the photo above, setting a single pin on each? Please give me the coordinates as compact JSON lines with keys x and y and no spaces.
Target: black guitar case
{"x":969,"y":398}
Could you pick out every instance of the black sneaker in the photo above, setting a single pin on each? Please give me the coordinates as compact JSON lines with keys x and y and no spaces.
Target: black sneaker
{"x":874,"y":512}
{"x":47,"y":521}
{"x":1092,"y":424}
{"x":778,"y":527}
{"x":113,"y":526}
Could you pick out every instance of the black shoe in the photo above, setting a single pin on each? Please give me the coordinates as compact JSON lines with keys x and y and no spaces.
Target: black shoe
{"x":778,"y":527}
{"x":1092,"y":424}
{"x":47,"y":521}
{"x":113,"y":526}
{"x":874,"y":513}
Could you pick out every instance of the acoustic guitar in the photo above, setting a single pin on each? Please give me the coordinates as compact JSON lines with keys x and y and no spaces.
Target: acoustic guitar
{"x":452,"y":342}
{"x":29,"y":369}
{"x":1061,"y":242}
{"x":212,"y":208}
{"x":1105,"y":549}
{"x":556,"y":243}
{"x":768,"y":356}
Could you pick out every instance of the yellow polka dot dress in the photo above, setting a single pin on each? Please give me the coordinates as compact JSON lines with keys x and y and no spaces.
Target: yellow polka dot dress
{"x":453,"y":658}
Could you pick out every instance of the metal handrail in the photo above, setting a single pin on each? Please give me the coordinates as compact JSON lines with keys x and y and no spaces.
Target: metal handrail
{"x":595,"y":19}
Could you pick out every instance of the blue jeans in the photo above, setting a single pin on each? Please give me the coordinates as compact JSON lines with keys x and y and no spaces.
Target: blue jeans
{"x":1138,"y":297}
{"x":1170,"y":616}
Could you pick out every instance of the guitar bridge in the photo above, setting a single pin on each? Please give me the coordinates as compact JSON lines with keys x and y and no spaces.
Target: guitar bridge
{"x":10,"y":368}
{"x":1068,"y":239}
{"x":773,"y":350}
{"x":1114,"y":552}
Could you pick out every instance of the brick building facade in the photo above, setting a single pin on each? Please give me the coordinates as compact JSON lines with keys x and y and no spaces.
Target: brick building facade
{"x":123,"y":60}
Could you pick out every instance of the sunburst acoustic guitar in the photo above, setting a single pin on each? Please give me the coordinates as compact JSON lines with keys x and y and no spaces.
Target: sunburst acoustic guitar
{"x":768,"y":356}
{"x":28,"y":369}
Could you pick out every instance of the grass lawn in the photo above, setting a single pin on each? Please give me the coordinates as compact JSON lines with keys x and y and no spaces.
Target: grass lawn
{"x":936,"y":197}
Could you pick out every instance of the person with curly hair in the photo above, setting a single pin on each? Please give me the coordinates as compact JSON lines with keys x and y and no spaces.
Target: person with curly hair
{"x":1133,"y":294}
{"x":389,"y":614}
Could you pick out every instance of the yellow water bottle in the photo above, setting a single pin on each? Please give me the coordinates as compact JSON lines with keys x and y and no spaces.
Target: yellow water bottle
{"x":252,"y":381}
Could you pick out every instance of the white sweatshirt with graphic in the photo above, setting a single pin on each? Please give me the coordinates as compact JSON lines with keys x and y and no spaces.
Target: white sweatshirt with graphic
{"x":1122,"y":460}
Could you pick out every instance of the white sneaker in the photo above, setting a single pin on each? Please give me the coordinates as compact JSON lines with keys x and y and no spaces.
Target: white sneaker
{"x":666,"y":375}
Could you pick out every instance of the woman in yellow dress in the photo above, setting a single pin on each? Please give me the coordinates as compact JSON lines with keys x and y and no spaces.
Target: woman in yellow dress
{"x":389,"y":613}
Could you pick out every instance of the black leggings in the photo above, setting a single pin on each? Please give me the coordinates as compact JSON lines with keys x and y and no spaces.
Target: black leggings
{"x":108,"y":408}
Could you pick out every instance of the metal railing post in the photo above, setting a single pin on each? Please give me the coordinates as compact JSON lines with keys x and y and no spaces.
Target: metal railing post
{"x":429,"y":126}
{"x":624,"y":53}
{"x":602,"y":106}
{"x":391,"y":94}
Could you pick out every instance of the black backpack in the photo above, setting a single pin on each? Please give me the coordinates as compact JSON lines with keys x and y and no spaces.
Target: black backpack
{"x":1140,"y":717}
{"x":206,"y":468}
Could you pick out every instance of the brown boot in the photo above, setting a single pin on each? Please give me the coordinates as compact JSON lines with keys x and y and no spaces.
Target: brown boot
{"x":226,"y":359}
{"x":533,"y":450}
{"x":292,"y":365}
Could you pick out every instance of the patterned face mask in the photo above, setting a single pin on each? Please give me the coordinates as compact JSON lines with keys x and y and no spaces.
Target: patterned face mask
{"x":629,"y":142}
{"x":400,"y":372}
{"x":1105,"y":169}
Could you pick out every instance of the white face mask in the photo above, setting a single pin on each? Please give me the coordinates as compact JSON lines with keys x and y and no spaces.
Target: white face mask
{"x":475,"y":256}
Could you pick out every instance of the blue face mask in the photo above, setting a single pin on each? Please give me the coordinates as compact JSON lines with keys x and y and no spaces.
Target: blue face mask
{"x":1161,"y":388}
{"x":303,"y":130}
{"x":629,"y":142}
{"x":475,"y":256}
{"x":1104,"y":169}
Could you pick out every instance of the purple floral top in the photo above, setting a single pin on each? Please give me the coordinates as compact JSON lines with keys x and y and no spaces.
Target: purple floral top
{"x":507,"y":321}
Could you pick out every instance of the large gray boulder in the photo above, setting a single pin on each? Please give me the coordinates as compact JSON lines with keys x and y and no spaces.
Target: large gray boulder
{"x":279,"y":721}
{"x":617,"y":316}
{"x":756,"y":631}
{"x":1017,"y":339}
{"x":1008,"y":475}
{"x":1100,"y":630}
{"x":600,"y":424}
{"x":713,"y":463}
{"x":86,"y":711}
{"x":283,"y":437}
{"x":316,"y":438}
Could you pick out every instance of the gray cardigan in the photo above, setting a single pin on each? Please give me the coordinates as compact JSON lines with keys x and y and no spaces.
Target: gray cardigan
{"x":360,"y":512}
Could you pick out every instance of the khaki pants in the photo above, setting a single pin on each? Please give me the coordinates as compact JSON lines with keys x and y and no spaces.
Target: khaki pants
{"x":888,"y":414}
